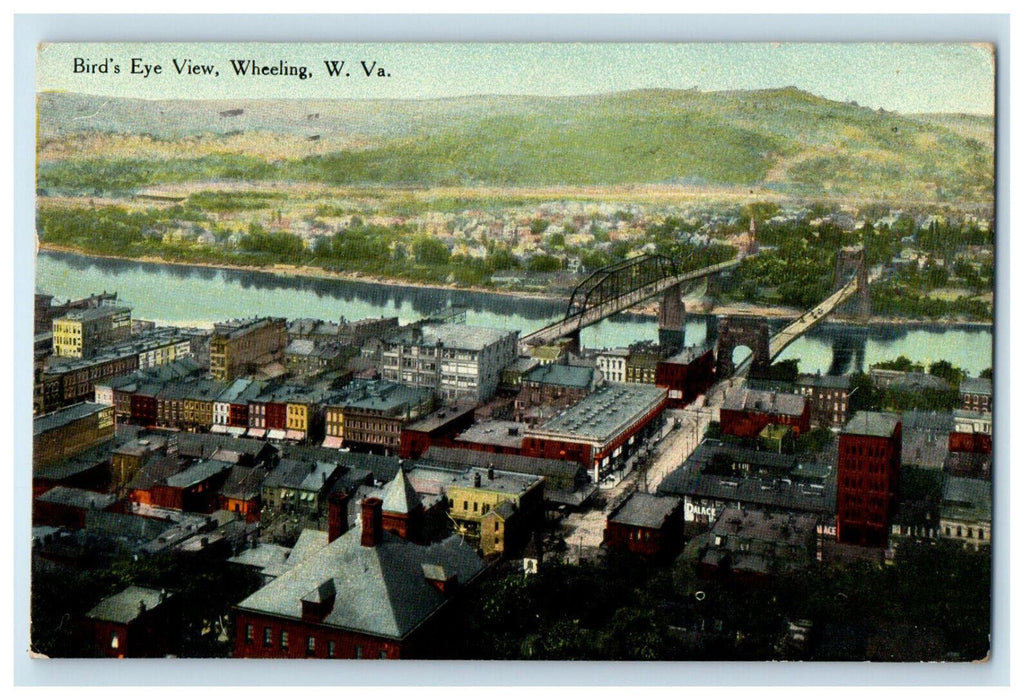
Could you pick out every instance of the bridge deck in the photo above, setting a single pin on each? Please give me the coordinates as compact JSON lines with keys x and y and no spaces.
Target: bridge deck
{"x":595,"y":314}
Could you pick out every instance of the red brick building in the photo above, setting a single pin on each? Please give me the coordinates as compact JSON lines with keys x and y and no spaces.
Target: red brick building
{"x":367,"y":594}
{"x":647,"y":525}
{"x":436,"y":430}
{"x":135,"y":623}
{"x":686,"y":375}
{"x":747,"y":411}
{"x":869,"y":466}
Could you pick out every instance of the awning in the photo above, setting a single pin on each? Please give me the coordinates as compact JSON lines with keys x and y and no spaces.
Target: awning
{"x":256,"y":432}
{"x":294,"y":435}
{"x":333,"y":442}
{"x":276,"y":434}
{"x":219,"y":428}
{"x":236,"y":431}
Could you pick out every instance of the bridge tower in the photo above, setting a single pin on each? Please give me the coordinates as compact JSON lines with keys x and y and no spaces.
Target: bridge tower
{"x":750,"y":331}
{"x":672,"y":322}
{"x":851,"y":262}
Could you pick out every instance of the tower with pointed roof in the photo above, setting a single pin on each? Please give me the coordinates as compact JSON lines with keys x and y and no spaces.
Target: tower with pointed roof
{"x":402,"y":508}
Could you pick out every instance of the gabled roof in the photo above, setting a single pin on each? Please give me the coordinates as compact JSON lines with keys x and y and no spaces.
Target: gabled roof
{"x":381,"y":591}
{"x":399,"y":496}
{"x":126,"y":606}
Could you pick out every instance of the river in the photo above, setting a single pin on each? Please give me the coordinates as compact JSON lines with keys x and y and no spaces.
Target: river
{"x":180,"y":294}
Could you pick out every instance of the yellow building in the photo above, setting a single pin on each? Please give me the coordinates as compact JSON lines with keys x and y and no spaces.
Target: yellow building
{"x":84,"y":332}
{"x":239,"y":348}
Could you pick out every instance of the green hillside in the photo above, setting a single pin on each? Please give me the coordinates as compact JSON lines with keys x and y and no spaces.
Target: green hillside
{"x":782,"y":139}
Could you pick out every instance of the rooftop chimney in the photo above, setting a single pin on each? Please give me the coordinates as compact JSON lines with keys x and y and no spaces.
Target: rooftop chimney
{"x":476,"y":479}
{"x":337,"y":515}
{"x":372,"y":522}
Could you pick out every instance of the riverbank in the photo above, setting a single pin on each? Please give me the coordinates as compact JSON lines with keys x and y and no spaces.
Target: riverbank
{"x":692,"y":307}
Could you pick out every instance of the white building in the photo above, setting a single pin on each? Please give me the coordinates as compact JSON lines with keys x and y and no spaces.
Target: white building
{"x":612,"y":364}
{"x":458,"y":362}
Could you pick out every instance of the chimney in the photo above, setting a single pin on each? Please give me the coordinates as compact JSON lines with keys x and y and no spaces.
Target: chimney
{"x":490,"y":473}
{"x":476,"y":479}
{"x":337,"y":515}
{"x":372,"y":522}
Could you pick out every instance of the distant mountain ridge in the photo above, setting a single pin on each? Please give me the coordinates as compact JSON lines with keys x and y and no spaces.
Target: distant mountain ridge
{"x":784,"y":139}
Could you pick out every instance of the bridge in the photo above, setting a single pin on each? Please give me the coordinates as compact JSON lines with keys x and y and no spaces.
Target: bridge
{"x":851,"y":299}
{"x":618,"y":287}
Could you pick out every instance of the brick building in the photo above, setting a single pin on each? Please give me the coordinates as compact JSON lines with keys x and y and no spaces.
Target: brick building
{"x":368,"y":593}
{"x":746,"y":412}
{"x":827,"y":396}
{"x":239,"y":348}
{"x":686,"y":375}
{"x":137,"y":622}
{"x":647,"y":525}
{"x":869,"y":466}
{"x":603,"y":432}
{"x":62,"y":434}
{"x":83,"y":333}
{"x":372,"y":413}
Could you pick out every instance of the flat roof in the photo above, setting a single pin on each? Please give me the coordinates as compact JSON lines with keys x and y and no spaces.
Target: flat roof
{"x":439,"y":418}
{"x":450,"y":335}
{"x":644,"y":510}
{"x":66,"y":416}
{"x":380,"y":395}
{"x":603,"y":414}
{"x":506,"y":433}
{"x":502,"y":481}
{"x":126,"y":606}
{"x":872,"y":423}
{"x":772,"y":402}
{"x":78,"y":498}
{"x":969,"y":500}
{"x":976,"y":385}
{"x":94,"y":312}
{"x":827,"y":381}
{"x":687,"y":355}
{"x":562,"y":375}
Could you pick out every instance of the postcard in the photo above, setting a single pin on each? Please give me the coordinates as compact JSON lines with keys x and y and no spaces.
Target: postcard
{"x":514,"y":351}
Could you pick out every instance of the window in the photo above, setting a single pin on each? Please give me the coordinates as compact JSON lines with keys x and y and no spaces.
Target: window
{"x":249,"y":633}
{"x":311,"y":645}
{"x":268,"y":636}
{"x":284,"y":640}
{"x":497,"y":525}
{"x":331,"y":649}
{"x":114,"y":640}
{"x":383,"y":654}
{"x":357,"y":652}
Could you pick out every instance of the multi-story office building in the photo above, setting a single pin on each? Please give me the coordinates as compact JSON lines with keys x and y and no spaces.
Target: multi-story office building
{"x":869,"y":466}
{"x":83,"y":333}
{"x":459,"y":363}
{"x":240,"y":347}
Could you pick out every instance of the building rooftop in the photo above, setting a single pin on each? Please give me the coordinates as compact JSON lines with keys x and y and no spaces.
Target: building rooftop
{"x":967,"y":500}
{"x":824,"y":381}
{"x":380,"y":396}
{"x":66,"y":416}
{"x":197,"y":474}
{"x":872,"y":423}
{"x":562,"y":375}
{"x":603,"y":414}
{"x":506,"y":433}
{"x":95,"y":312}
{"x":78,"y":498}
{"x":449,"y":335}
{"x":644,"y":510}
{"x":126,"y":606}
{"x":440,"y":418}
{"x":303,"y":476}
{"x":240,"y":391}
{"x":399,"y":496}
{"x":976,"y":385}
{"x":240,"y":327}
{"x":381,"y":591}
{"x":427,"y":479}
{"x":771,"y":402}
{"x":771,"y":481}
{"x":687,"y":355}
{"x":790,"y":529}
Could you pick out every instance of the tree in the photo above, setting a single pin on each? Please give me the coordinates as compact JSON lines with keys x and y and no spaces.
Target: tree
{"x":945,"y":370}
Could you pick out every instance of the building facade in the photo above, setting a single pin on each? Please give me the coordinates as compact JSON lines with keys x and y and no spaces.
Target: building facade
{"x":869,"y":466}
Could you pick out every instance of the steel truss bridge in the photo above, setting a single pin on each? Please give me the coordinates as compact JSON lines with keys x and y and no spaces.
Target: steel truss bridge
{"x":618,"y":287}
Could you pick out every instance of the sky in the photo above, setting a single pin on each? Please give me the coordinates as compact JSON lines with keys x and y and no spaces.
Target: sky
{"x":903,"y":77}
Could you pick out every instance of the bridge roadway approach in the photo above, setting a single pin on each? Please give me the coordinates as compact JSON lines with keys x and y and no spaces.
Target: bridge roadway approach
{"x":589,"y":316}
{"x":797,"y":328}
